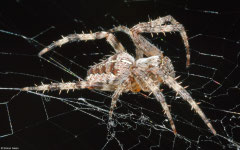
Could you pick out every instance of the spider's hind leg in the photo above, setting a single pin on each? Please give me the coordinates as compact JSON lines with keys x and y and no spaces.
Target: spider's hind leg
{"x":60,"y":86}
{"x":55,"y":87}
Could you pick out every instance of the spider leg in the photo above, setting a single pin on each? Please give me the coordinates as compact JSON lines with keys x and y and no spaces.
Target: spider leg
{"x":142,"y":78}
{"x":143,"y":46}
{"x":187,"y":97}
{"x":115,"y":97}
{"x":139,"y":53}
{"x":121,"y":82}
{"x":71,"y":86}
{"x":53,"y":87}
{"x":111,"y":39}
{"x":162,"y":25}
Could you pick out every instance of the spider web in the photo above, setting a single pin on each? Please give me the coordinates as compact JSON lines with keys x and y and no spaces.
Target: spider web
{"x":79,"y":119}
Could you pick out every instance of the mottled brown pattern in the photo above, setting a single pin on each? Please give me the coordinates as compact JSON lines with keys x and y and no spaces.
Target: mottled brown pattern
{"x":123,"y":73}
{"x":103,"y":69}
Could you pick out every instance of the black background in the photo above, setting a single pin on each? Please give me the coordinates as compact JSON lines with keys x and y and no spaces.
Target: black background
{"x":212,"y":29}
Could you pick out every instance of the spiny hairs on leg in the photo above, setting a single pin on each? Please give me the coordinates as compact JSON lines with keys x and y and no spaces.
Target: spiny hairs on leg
{"x":159,"y":25}
{"x":160,"y":98}
{"x":186,"y":96}
{"x":115,"y":97}
{"x":57,"y":86}
{"x":180,"y":28}
{"x":141,"y":77}
{"x":175,"y":26}
{"x":111,"y":39}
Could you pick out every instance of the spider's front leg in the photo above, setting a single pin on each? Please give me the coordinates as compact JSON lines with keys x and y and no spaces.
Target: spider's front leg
{"x":172,"y":83}
{"x":160,"y":25}
{"x":111,"y":39}
{"x":143,"y":46}
{"x":143,"y":79}
{"x":187,"y":97}
{"x":115,"y":97}
{"x":121,"y":83}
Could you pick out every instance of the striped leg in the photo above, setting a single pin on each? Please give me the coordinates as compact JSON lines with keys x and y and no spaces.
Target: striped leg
{"x":111,"y":39}
{"x":142,"y":78}
{"x":162,"y":25}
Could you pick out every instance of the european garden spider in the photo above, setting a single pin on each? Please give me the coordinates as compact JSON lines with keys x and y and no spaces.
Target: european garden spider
{"x":123,"y":73}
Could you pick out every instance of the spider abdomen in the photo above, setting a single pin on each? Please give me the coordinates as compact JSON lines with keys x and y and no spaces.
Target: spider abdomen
{"x":114,"y":65}
{"x":107,"y":74}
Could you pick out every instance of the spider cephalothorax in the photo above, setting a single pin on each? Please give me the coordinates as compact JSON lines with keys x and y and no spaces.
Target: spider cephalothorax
{"x":121,"y":72}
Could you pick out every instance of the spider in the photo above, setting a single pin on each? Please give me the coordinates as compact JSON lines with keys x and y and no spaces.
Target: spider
{"x":121,"y":72}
